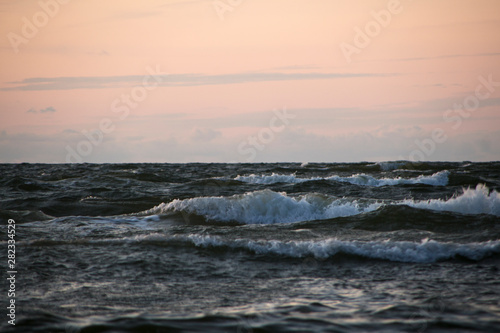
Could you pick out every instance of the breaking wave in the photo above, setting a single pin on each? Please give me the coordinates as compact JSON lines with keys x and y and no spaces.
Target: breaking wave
{"x":401,"y":251}
{"x":472,"y":201}
{"x":267,"y":207}
{"x":437,"y":179}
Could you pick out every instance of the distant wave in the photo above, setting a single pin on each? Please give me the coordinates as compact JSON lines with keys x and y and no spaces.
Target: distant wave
{"x":268,"y":207}
{"x":437,"y":179}
{"x":425,"y":251}
{"x":400,"y":251}
{"x":389,"y":166}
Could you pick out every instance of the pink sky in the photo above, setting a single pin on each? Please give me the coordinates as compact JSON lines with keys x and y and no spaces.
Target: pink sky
{"x":226,"y":67}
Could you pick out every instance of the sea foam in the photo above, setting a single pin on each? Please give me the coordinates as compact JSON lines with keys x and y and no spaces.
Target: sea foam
{"x":401,"y":251}
{"x":472,"y":201}
{"x":437,"y":179}
{"x":267,"y":207}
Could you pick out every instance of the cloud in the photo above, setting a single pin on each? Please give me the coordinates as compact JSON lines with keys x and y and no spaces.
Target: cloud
{"x":292,"y":145}
{"x":295,"y":67}
{"x":46,"y":110}
{"x":174,"y":80}
{"x":136,"y":15}
{"x":70,"y":131}
{"x":182,"y":2}
{"x":204,"y":134}
{"x":383,"y":144}
{"x":98,"y":53}
{"x":445,"y":56}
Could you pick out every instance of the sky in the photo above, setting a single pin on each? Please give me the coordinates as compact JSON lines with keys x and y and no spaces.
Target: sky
{"x":111,"y":81}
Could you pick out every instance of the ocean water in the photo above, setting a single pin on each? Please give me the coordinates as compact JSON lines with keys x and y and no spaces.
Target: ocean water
{"x":289,"y":247}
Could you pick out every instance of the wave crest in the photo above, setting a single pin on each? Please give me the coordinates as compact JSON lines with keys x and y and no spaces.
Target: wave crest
{"x":400,"y":251}
{"x":472,"y":201}
{"x":437,"y":179}
{"x":267,"y":207}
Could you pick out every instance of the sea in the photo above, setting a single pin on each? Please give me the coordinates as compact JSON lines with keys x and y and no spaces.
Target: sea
{"x":287,"y":247}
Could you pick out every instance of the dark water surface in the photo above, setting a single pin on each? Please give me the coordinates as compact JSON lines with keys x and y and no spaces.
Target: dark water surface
{"x":393,"y":247}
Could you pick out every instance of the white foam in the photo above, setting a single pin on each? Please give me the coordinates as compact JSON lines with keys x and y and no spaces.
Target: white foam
{"x":437,"y":179}
{"x":472,"y":201}
{"x":274,"y":178}
{"x":267,"y":207}
{"x":402,"y":251}
{"x":425,"y":251}
{"x":389,"y":166}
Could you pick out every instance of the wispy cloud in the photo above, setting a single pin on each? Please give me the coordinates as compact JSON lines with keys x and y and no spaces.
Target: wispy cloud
{"x":136,"y":14}
{"x":444,"y":56}
{"x":49,"y":109}
{"x":184,"y":2}
{"x":46,"y":110}
{"x":204,"y":134}
{"x":174,"y":80}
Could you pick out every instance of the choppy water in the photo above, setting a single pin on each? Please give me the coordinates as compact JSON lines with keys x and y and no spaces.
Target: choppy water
{"x":395,"y":247}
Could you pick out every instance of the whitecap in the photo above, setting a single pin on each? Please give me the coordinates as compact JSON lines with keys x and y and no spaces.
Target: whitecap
{"x":401,"y":251}
{"x":472,"y":201}
{"x":267,"y":207}
{"x":437,"y":179}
